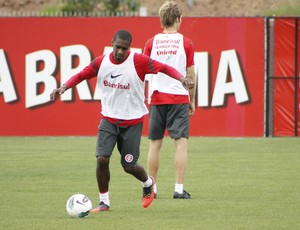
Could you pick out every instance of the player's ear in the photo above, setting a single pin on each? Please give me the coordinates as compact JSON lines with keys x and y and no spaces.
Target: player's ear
{"x":178,"y":19}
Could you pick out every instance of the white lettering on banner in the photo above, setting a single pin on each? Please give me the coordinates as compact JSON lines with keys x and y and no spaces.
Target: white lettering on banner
{"x":201,"y":72}
{"x":229,"y":63}
{"x":35,"y":77}
{"x":67,"y":54}
{"x":6,"y":83}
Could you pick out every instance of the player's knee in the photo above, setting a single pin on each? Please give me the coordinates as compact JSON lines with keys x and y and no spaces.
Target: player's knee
{"x":128,"y":169}
{"x":102,"y":161}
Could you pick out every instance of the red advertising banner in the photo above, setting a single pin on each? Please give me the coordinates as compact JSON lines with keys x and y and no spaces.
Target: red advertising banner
{"x":39,"y":54}
{"x":285,"y":84}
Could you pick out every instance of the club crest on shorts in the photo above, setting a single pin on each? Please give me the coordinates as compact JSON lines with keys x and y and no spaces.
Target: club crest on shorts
{"x":128,"y":158}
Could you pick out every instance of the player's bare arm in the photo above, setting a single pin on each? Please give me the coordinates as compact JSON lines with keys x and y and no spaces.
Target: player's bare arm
{"x":59,"y":90}
{"x":192,"y":92}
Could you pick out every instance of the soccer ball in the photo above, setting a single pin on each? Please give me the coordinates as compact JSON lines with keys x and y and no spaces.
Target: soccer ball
{"x":78,"y":206}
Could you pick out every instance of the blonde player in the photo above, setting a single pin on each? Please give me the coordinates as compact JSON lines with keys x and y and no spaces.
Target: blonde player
{"x":171,"y":104}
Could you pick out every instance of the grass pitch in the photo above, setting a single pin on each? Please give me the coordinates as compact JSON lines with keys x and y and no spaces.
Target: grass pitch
{"x":236,"y":183}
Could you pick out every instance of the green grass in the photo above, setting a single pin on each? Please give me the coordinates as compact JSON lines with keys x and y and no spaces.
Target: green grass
{"x":285,"y":11}
{"x":236,"y":183}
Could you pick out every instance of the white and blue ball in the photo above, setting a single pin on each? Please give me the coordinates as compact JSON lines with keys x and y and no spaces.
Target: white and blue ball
{"x":78,"y":206}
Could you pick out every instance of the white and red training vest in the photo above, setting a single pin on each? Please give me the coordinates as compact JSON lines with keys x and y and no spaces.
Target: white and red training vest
{"x":130,"y":87}
{"x":169,"y":49}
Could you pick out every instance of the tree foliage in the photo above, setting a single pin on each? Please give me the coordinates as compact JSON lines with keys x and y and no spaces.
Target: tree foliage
{"x":113,"y":6}
{"x":76,"y":6}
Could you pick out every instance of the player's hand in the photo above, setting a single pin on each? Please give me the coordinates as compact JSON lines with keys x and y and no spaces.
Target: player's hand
{"x":60,"y":90}
{"x":187,"y":83}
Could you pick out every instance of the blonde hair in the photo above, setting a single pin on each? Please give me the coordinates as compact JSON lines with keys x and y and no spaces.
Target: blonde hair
{"x":168,"y":13}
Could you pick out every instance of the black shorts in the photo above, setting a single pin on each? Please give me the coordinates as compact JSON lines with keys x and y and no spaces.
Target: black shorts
{"x":127,"y":138}
{"x":175,"y":118}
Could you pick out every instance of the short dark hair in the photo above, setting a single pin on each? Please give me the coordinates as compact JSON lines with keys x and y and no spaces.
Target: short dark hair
{"x":124,"y":35}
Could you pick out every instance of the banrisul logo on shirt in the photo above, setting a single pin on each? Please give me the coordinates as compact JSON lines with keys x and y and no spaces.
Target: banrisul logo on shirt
{"x":116,"y":85}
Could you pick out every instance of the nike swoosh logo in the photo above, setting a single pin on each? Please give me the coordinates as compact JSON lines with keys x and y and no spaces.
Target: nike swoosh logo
{"x":115,"y":76}
{"x":78,"y":202}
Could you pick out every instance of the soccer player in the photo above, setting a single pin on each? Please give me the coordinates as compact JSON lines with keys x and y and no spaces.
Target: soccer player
{"x":171,"y":105}
{"x":121,"y":81}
